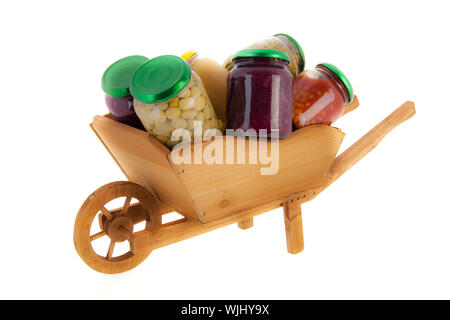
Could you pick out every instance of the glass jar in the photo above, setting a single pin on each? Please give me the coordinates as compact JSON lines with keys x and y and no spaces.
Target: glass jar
{"x":214,"y":78}
{"x":260,"y":92}
{"x":281,"y":42}
{"x":116,"y":85}
{"x":170,"y":98}
{"x":320,"y":95}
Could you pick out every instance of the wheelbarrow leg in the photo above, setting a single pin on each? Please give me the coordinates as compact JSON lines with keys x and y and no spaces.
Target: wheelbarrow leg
{"x":245,"y":224}
{"x":294,"y":226}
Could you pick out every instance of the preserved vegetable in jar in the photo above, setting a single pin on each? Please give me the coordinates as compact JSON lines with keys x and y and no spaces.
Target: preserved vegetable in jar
{"x":169,"y":97}
{"x":320,"y":95}
{"x":260,"y":93}
{"x":116,"y":85}
{"x":214,"y":78}
{"x":281,"y":42}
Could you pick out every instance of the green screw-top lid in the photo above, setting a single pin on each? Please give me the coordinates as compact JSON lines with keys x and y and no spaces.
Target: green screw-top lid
{"x":262,"y":53}
{"x":300,"y":50}
{"x":341,"y":76}
{"x":117,"y":78}
{"x":160,"y":79}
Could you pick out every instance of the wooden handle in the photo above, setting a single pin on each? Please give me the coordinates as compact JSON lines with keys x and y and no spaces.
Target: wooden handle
{"x":370,"y":140}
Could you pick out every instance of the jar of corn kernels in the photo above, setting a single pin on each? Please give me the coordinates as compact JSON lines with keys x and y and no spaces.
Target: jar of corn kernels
{"x":170,"y":100}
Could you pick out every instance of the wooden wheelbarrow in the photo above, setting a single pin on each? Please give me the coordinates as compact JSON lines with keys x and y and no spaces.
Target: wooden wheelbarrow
{"x":208,"y":196}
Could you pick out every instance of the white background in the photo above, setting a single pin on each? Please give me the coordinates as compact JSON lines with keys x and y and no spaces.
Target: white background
{"x":380,"y":231}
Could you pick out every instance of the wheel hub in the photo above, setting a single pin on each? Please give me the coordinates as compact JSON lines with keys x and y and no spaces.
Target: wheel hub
{"x":119,"y":229}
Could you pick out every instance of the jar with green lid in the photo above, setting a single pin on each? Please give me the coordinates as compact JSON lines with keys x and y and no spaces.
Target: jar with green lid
{"x":170,"y":99}
{"x":116,"y":84}
{"x":320,"y":95}
{"x":281,"y":42}
{"x":260,"y":94}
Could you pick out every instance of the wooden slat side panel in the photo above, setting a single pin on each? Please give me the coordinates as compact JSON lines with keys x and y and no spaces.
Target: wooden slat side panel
{"x":144,"y":161}
{"x":225,"y":189}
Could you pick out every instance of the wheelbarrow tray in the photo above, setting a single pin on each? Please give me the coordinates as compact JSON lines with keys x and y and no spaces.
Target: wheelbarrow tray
{"x":208,"y":192}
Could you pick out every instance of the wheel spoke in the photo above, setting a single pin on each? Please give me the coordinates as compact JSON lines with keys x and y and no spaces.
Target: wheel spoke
{"x":97,"y":235}
{"x":112,"y":244}
{"x":106,"y":212}
{"x":100,"y":221}
{"x":131,"y":242}
{"x":126,"y":204}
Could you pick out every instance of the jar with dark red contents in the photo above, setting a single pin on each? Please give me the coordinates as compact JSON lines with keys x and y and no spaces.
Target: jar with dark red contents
{"x":116,"y":82}
{"x":260,"y":93}
{"x":320,"y":95}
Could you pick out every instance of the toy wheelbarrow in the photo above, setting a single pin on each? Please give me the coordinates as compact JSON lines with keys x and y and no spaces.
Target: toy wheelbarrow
{"x":208,"y":196}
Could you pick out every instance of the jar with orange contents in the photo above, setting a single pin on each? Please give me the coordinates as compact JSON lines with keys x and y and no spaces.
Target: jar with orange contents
{"x":320,"y":95}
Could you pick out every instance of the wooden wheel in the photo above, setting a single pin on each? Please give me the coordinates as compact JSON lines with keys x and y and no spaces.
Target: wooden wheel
{"x":117,"y":225}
